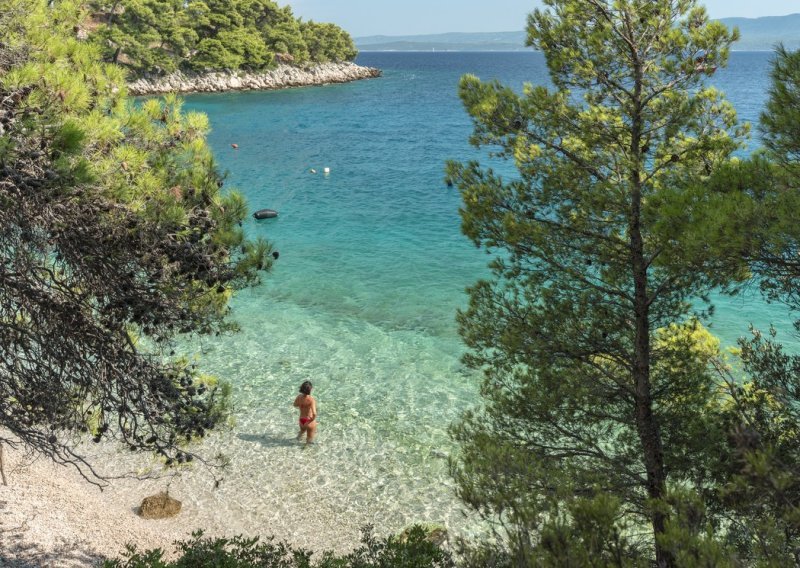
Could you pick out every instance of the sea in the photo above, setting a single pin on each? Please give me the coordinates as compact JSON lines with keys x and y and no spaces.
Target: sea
{"x":362,"y":301}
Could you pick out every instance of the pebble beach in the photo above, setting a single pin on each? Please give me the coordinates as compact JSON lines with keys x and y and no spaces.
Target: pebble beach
{"x":52,"y":516}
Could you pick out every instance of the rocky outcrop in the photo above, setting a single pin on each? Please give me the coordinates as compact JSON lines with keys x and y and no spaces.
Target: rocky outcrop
{"x":281,"y":77}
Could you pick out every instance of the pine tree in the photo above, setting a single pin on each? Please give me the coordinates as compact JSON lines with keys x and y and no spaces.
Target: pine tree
{"x":114,"y":239}
{"x":759,"y":485}
{"x":161,"y":36}
{"x":597,"y":377}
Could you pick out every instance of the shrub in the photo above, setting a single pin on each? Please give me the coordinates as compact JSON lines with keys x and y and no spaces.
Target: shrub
{"x":413,"y":550}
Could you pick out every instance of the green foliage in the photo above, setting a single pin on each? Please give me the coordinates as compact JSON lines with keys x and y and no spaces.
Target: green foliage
{"x":776,"y":193}
{"x":754,"y":218}
{"x":598,"y":375}
{"x":147,"y":35}
{"x":760,"y":484}
{"x":571,"y":530}
{"x":248,"y":46}
{"x":283,"y":35}
{"x":212,"y":54}
{"x":327,"y":42}
{"x":160,"y":36}
{"x":115,"y":238}
{"x":627,"y":210}
{"x":690,"y":536}
{"x":413,"y":551}
{"x":782,"y":115}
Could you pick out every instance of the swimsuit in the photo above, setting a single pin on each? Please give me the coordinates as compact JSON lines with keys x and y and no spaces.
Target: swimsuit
{"x":304,"y":421}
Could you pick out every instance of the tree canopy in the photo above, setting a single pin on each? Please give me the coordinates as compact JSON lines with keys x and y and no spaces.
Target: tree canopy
{"x":762,"y":485}
{"x":606,"y":403}
{"x":161,"y":36}
{"x":114,"y":238}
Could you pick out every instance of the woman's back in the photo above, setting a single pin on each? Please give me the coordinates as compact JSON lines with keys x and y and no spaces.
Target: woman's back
{"x":305,"y":402}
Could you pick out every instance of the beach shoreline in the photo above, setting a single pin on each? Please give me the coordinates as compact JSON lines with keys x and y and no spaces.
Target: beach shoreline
{"x":51,"y":516}
{"x":281,"y":77}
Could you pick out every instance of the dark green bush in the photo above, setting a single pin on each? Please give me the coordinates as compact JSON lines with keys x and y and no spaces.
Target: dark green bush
{"x":412,"y":550}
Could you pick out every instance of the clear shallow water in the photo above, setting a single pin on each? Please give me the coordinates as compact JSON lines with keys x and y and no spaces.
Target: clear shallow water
{"x":363,"y":298}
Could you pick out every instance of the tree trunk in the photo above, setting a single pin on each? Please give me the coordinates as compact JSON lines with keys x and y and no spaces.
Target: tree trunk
{"x":646,"y":422}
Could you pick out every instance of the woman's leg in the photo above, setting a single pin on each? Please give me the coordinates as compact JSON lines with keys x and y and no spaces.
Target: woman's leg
{"x":311,"y":430}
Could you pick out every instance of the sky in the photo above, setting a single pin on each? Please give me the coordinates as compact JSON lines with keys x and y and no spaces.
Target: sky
{"x":412,"y":17}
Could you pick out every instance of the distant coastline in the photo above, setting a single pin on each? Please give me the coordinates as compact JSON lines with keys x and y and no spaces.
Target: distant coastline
{"x":757,"y":34}
{"x":517,"y":50}
{"x":282,"y":77}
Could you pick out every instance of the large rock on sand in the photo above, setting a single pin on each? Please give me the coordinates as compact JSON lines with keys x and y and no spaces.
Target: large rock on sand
{"x":160,"y":506}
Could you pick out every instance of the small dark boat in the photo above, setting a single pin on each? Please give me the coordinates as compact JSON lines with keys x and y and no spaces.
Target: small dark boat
{"x":265,"y":214}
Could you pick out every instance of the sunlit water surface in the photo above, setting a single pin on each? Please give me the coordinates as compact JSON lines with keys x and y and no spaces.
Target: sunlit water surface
{"x":362,"y":300}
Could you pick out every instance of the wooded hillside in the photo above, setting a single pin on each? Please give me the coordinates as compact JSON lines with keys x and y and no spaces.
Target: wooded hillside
{"x":162,"y":36}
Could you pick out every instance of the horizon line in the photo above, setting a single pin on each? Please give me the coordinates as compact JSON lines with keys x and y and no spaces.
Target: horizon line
{"x":523,"y":30}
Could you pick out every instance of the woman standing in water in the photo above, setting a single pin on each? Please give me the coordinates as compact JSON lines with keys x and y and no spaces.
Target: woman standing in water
{"x":308,"y":412}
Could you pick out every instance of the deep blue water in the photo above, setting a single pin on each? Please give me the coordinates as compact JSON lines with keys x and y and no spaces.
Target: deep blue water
{"x":372,"y":269}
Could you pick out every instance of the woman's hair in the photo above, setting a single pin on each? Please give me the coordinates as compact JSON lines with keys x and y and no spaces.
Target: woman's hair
{"x":305,"y":388}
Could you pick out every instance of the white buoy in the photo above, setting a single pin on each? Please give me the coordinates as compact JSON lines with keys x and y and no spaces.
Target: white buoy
{"x":326,"y":171}
{"x":313,"y":171}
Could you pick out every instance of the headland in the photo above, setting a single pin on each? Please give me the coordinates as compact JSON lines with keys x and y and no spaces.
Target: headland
{"x":281,"y":77}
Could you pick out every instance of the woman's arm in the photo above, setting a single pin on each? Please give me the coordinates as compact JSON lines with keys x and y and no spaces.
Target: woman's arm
{"x":313,"y":409}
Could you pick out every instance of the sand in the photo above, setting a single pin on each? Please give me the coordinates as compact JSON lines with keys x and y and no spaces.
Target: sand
{"x":51,"y":516}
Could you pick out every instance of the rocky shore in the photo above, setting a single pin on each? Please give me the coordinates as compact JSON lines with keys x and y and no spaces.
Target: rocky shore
{"x":281,"y":77}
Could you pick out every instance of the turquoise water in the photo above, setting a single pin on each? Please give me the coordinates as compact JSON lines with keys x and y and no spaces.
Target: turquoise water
{"x":363,"y":298}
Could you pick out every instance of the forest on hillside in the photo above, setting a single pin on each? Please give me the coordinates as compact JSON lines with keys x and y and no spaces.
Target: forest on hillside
{"x":163,"y":36}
